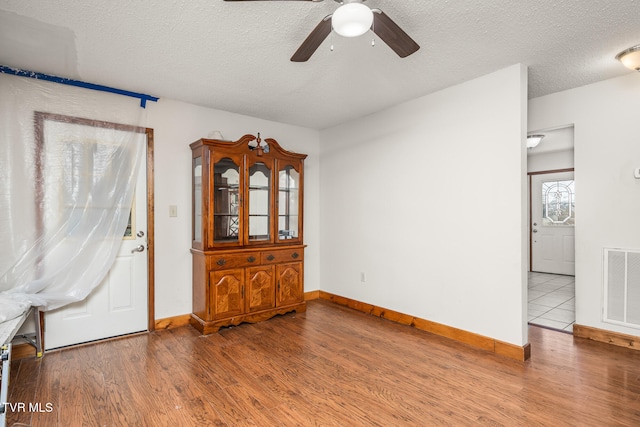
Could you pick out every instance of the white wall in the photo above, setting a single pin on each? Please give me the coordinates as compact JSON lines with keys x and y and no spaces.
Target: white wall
{"x":550,"y":161}
{"x":606,"y":118}
{"x":554,"y":152}
{"x":428,"y":200}
{"x":176,"y":125}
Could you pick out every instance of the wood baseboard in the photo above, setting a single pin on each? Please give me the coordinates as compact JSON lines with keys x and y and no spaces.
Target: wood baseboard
{"x":173,"y":322}
{"x":309,"y":296}
{"x":475,"y":340}
{"x":609,"y":337}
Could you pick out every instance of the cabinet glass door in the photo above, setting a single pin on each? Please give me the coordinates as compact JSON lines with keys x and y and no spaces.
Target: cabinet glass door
{"x":259,"y":202}
{"x":226,"y":201}
{"x":197,"y":199}
{"x":288,"y":203}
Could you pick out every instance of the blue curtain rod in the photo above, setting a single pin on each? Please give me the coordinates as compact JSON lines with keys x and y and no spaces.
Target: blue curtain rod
{"x":40,"y":76}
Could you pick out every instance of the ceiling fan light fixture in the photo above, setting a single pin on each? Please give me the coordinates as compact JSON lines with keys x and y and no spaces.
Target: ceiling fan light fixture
{"x":533,"y":140}
{"x":630,"y":58}
{"x":352,"y":20}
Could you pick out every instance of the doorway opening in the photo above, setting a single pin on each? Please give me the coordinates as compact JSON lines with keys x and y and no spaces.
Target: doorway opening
{"x":123,"y":303}
{"x":551,"y":214}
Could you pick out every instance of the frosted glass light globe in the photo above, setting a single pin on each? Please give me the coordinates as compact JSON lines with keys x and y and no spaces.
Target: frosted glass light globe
{"x":630,"y":58}
{"x":534,"y":140}
{"x":352,"y":20}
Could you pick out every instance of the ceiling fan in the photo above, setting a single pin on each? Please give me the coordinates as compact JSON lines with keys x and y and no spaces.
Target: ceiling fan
{"x":353,"y":19}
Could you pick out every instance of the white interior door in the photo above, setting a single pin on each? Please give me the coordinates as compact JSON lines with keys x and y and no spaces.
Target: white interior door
{"x":552,"y":223}
{"x":119,"y":304}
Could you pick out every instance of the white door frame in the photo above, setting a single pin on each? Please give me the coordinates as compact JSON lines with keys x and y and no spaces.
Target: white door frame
{"x":151,"y":321}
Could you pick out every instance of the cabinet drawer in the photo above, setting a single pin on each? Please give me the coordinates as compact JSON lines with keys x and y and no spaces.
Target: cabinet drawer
{"x":273,"y":257}
{"x":225,"y":261}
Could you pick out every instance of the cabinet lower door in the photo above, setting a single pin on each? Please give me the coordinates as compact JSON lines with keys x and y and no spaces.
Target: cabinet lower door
{"x":227,"y":293}
{"x":289,"y":288}
{"x":261,"y":283}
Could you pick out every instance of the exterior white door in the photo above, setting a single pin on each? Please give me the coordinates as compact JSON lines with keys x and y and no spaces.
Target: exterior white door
{"x":552,"y":223}
{"x":118,"y":305}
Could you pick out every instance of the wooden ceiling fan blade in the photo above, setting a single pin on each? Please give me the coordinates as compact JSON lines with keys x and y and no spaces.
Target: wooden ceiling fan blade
{"x":393,"y":35}
{"x":313,"y":40}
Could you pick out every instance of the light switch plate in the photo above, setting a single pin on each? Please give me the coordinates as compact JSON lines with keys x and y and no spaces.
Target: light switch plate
{"x":173,"y":210}
{"x":636,"y":173}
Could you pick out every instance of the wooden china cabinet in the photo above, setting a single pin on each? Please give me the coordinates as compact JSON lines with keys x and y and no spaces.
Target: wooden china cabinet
{"x":247,"y":247}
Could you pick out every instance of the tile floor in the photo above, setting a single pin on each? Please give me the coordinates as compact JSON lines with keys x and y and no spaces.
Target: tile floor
{"x":552,"y":301}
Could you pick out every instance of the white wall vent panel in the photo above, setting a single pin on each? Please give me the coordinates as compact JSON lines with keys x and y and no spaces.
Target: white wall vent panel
{"x":622,"y":287}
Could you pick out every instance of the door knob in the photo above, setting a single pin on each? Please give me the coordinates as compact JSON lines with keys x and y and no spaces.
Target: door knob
{"x":141,"y":233}
{"x":139,"y":248}
{"x":534,"y":230}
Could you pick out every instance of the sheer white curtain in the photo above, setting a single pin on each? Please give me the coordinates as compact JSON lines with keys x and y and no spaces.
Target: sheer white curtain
{"x":68,"y":167}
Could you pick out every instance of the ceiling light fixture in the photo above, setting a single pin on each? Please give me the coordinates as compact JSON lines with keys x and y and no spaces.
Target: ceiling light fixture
{"x":352,"y":19}
{"x":630,"y":57}
{"x":533,"y":140}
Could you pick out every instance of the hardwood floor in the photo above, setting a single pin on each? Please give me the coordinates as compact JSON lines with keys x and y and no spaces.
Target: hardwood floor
{"x":329,"y":366}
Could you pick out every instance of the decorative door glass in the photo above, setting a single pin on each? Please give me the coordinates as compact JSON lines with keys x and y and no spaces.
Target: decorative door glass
{"x":558,"y":203}
{"x":288,"y":203}
{"x":259,"y":202}
{"x":226,"y":201}
{"x":197,"y":199}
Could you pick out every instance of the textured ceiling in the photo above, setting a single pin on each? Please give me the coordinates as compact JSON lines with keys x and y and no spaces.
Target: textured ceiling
{"x":234,"y":56}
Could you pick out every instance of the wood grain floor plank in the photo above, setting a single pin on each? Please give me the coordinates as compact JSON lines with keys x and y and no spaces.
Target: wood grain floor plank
{"x":47,"y":390}
{"x":192,"y":388}
{"x":330,"y":366}
{"x":151,"y":384}
{"x":23,"y":371}
{"x":69,"y":379}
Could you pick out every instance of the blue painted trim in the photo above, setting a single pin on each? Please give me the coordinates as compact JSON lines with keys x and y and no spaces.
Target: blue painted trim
{"x":40,"y":76}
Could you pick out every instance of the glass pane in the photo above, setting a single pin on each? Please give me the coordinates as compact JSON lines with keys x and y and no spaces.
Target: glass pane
{"x":226,"y":199}
{"x":197,"y":199}
{"x":128,"y":232}
{"x":259,"y":201}
{"x":289,"y":184}
{"x":558,"y":203}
